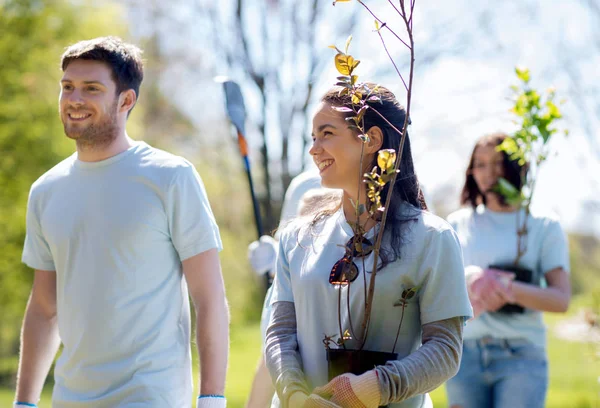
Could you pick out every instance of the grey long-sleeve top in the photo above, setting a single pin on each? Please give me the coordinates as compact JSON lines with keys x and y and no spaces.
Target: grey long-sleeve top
{"x":425,"y":369}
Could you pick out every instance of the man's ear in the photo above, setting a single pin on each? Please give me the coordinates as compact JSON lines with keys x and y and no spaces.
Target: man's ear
{"x":127,"y":100}
{"x":375,"y":140}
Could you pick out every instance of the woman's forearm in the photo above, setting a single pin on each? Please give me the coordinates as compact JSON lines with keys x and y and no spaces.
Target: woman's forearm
{"x":543,"y":299}
{"x":281,"y":352}
{"x":436,"y":361}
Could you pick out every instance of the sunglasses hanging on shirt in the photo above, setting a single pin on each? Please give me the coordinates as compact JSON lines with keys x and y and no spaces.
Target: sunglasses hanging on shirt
{"x":345,"y":270}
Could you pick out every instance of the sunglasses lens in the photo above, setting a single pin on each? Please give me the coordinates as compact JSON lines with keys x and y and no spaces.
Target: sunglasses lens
{"x":343,"y":271}
{"x":361,"y":247}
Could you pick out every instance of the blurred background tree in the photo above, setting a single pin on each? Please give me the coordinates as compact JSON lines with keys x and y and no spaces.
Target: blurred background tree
{"x":33,"y":34}
{"x":277,"y":50}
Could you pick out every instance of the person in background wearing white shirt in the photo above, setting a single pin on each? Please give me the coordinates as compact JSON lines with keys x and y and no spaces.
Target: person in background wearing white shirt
{"x":119,"y":234}
{"x":301,"y":198}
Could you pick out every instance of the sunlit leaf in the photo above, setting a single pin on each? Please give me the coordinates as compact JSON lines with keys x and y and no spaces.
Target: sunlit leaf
{"x":341,"y":63}
{"x":342,"y":109}
{"x":523,"y":74}
{"x":386,"y":159}
{"x":333,"y":47}
{"x":348,"y":41}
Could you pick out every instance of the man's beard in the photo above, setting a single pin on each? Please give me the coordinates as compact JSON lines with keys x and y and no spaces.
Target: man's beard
{"x":97,"y":135}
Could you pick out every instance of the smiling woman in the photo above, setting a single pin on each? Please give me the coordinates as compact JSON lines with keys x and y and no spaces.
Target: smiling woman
{"x":419,"y":264}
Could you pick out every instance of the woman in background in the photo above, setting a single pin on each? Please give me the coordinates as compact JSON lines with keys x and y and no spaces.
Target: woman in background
{"x":504,"y":363}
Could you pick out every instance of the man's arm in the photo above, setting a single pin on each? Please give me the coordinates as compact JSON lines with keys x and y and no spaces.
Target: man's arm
{"x":39,"y":338}
{"x":205,"y":283}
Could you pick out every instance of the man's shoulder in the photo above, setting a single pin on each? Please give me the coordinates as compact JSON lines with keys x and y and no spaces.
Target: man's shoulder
{"x":159,"y":159}
{"x":163,"y":165}
{"x":56,"y":174}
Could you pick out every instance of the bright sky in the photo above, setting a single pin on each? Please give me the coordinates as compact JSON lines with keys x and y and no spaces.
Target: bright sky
{"x":464,"y":95}
{"x":462,"y":92}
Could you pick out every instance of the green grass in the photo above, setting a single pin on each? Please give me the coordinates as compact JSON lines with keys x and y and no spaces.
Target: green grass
{"x":574,"y":371}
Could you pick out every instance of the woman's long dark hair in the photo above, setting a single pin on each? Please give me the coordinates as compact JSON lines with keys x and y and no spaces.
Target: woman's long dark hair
{"x":406,"y":188}
{"x":471,"y":195}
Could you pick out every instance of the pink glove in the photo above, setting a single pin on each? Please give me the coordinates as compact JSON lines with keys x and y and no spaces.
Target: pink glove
{"x":490,"y":289}
{"x":352,"y":391}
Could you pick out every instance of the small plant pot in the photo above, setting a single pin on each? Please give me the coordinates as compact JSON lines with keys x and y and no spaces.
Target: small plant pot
{"x":341,"y":361}
{"x":521,"y":275}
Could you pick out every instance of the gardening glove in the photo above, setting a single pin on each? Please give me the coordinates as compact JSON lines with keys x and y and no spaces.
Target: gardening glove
{"x":262,"y":255}
{"x":352,"y":391}
{"x":487,"y":289}
{"x":211,"y":401}
{"x":302,"y":400}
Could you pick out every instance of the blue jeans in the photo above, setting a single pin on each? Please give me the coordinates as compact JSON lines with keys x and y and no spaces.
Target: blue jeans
{"x":500,"y":373}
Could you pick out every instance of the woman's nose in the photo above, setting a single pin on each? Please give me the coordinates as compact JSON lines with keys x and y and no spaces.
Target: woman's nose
{"x":315,"y":148}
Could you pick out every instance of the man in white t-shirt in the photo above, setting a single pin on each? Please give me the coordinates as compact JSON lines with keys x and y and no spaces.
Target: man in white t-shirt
{"x":118,"y":234}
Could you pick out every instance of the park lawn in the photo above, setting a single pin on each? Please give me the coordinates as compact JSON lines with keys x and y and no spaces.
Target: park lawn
{"x":574,"y":371}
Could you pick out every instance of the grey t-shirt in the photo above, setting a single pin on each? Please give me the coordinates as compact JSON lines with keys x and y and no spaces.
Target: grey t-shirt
{"x":431,"y":262}
{"x":489,"y":237}
{"x":116,"y":232}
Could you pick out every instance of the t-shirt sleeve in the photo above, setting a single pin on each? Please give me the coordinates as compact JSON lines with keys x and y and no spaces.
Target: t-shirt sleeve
{"x":282,"y":283}
{"x":192,"y":224}
{"x":443,"y":294}
{"x":36,"y":251}
{"x":555,"y":248}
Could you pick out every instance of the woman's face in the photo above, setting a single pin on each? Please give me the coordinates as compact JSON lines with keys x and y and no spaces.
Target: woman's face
{"x":487,"y":167}
{"x":336,"y":150}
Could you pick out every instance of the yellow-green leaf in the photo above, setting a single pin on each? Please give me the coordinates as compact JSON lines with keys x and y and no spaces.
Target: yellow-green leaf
{"x":523,"y":73}
{"x":341,"y":63}
{"x":377,"y":25}
{"x":348,"y":41}
{"x":386,"y":159}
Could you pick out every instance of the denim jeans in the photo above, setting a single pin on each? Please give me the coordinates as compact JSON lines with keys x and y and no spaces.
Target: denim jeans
{"x":500,"y":373}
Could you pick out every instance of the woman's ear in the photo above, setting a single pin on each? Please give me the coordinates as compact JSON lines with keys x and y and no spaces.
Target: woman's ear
{"x":375,"y":140}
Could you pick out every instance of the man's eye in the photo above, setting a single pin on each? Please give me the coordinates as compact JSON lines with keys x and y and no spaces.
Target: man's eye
{"x":92,"y":89}
{"x":67,"y":87}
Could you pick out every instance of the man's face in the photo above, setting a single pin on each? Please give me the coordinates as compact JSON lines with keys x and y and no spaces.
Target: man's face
{"x":88,"y":103}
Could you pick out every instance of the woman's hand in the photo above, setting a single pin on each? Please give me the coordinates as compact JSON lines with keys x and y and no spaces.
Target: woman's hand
{"x":490,"y":289}
{"x":352,"y":391}
{"x":301,"y":400}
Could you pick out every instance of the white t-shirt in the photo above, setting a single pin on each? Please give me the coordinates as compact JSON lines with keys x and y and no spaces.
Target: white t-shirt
{"x":430,"y":261}
{"x":489,"y":238}
{"x":116,"y":232}
{"x":300,"y":185}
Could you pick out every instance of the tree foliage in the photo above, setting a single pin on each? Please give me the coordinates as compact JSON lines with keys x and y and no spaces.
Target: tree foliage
{"x":33,"y":35}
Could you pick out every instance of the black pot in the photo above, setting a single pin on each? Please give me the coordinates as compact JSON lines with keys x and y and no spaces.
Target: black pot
{"x":522,"y":275}
{"x":341,"y":361}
